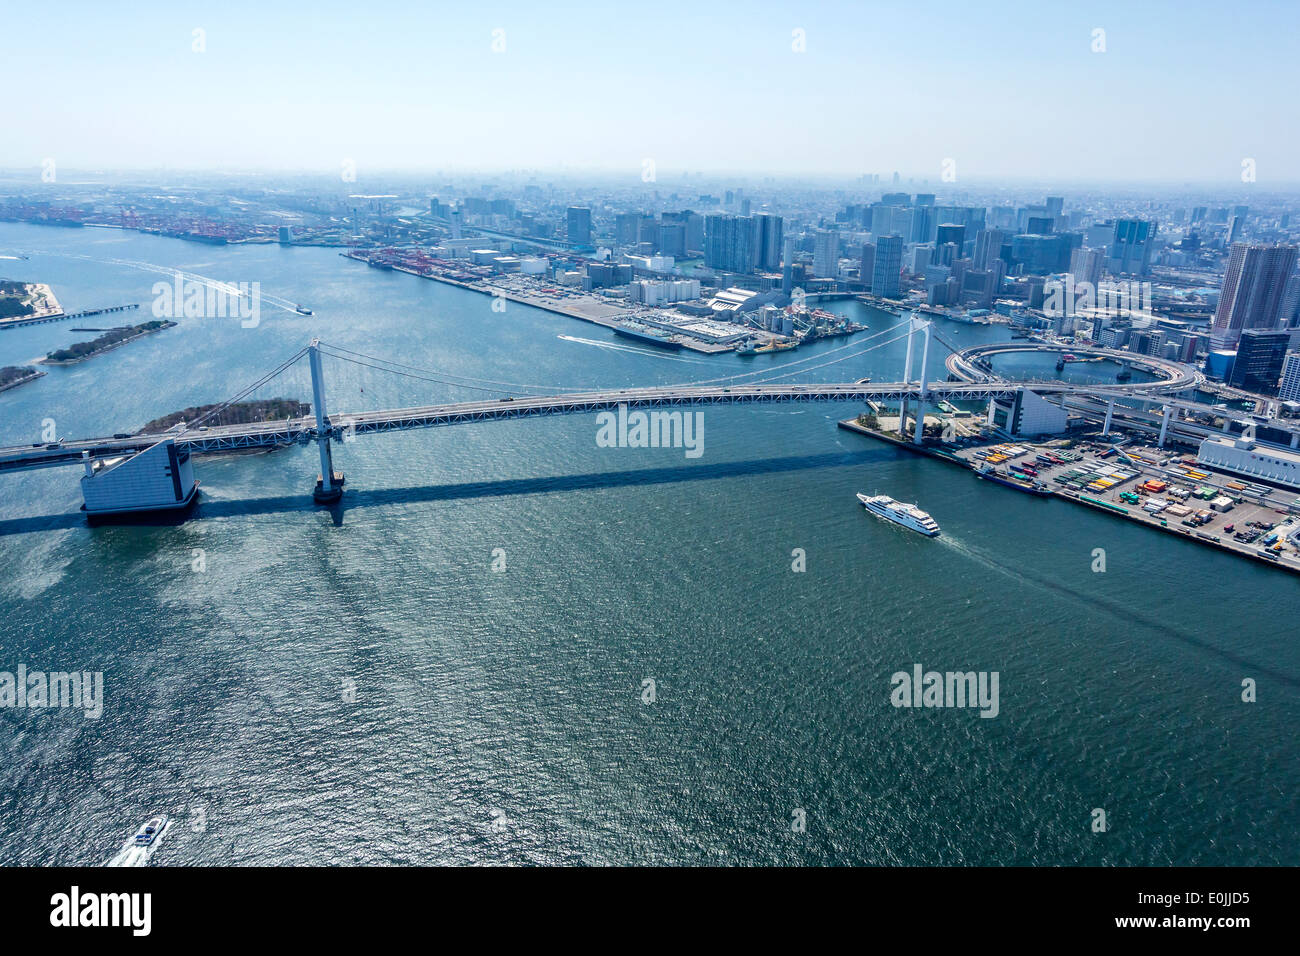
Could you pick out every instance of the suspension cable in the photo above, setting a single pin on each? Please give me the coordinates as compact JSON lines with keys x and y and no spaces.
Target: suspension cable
{"x":897,"y":338}
{"x":430,"y":371}
{"x":218,"y":409}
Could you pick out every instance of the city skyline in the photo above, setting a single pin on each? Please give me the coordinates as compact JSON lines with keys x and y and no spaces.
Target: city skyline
{"x":955,"y":93}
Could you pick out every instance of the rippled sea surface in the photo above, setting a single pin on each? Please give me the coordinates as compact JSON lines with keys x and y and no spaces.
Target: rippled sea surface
{"x":360,"y":686}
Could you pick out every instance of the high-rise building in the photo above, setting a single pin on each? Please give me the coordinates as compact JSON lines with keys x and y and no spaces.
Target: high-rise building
{"x":923,"y":220}
{"x":672,"y":239}
{"x":826,"y":253}
{"x":882,"y":219}
{"x":868,"y":263}
{"x":1234,"y":229}
{"x":625,"y":227}
{"x":1260,"y":357}
{"x":988,"y":246}
{"x":1254,"y":285}
{"x":922,"y":256}
{"x":888,"y":264}
{"x":1290,"y":388}
{"x":1086,"y":265}
{"x":729,"y":243}
{"x":1289,"y":314}
{"x":579,"y":222}
{"x":950,"y":232}
{"x":787,"y":266}
{"x":1129,"y":251}
{"x":768,"y":229}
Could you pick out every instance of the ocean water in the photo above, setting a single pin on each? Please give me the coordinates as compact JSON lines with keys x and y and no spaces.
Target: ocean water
{"x":359,"y":685}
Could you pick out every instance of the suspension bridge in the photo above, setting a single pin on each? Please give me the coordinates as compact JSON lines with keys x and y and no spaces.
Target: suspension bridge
{"x":149,"y":472}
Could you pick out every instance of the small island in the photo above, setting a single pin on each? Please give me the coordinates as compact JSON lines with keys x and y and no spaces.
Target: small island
{"x":105,"y":343}
{"x":11,"y":376}
{"x":238,"y":413}
{"x":24,"y":302}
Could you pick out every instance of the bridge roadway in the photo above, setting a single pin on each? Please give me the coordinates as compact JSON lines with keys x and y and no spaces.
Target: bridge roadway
{"x":1177,"y":377}
{"x":222,"y":438}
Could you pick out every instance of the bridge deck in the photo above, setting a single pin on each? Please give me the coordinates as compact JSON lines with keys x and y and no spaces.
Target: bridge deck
{"x":292,"y":431}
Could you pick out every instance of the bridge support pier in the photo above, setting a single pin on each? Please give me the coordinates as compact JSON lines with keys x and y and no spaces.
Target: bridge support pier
{"x":329,"y":484}
{"x":1164,"y":425}
{"x":1110,"y":413}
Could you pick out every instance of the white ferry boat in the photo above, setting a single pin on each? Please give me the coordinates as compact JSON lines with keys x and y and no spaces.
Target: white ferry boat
{"x":909,"y":516}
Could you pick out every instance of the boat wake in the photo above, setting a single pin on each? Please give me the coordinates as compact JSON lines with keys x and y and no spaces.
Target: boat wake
{"x":618,"y":347}
{"x":138,"y":850}
{"x":225,"y":288}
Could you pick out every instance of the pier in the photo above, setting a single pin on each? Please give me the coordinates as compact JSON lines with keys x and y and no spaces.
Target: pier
{"x":64,"y":316}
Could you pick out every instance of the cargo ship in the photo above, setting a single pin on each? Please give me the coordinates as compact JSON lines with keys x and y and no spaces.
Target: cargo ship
{"x":909,"y":516}
{"x":643,"y":333}
{"x":1016,"y":480}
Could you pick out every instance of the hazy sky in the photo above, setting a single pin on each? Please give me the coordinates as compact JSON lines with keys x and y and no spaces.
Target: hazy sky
{"x":1184,"y":91}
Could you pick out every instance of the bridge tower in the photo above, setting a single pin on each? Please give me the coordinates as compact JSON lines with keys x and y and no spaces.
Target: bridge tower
{"x":907,"y":377}
{"x":329,"y":485}
{"x":922,"y":393}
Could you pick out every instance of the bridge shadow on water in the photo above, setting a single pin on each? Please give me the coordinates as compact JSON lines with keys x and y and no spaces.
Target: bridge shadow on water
{"x":354,"y":497}
{"x":556,"y":484}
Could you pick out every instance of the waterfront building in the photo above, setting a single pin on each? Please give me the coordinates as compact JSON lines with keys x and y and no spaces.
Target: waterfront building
{"x":1254,"y":285}
{"x":1026,"y":414}
{"x":1245,"y":456}
{"x":1260,"y":356}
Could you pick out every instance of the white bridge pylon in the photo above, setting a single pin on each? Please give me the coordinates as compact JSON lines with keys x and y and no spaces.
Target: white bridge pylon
{"x":915,"y":325}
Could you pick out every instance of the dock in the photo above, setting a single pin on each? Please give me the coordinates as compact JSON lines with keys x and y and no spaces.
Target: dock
{"x":1245,"y":513}
{"x":65,"y":316}
{"x":587,"y":310}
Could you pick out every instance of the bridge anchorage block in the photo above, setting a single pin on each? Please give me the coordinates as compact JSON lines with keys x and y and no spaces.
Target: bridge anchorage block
{"x":330,"y":495}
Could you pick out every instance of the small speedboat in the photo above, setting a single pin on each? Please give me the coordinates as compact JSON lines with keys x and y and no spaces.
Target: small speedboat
{"x":151,"y":830}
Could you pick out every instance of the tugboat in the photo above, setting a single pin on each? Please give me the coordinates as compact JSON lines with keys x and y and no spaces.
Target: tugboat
{"x":303,"y":310}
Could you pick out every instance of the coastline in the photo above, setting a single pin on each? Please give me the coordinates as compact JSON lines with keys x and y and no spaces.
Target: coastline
{"x":22,"y":381}
{"x":537,"y":302}
{"x":107,"y":348}
{"x":1096,"y":504}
